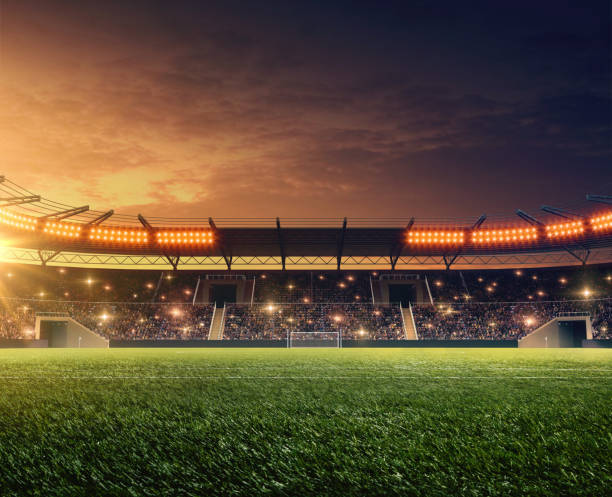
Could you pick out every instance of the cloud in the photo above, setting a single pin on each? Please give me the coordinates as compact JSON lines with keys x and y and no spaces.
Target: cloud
{"x":188,"y":112}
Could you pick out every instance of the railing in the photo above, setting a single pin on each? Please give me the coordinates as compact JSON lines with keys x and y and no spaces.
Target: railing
{"x":400,"y":277}
{"x":226,"y":277}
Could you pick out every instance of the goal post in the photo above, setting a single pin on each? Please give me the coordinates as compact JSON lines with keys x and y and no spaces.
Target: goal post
{"x":314,"y":339}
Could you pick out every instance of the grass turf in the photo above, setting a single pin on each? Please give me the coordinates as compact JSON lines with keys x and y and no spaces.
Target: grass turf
{"x":305,"y":422}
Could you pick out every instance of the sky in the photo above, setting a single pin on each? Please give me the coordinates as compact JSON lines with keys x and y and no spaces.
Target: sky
{"x":314,"y":109}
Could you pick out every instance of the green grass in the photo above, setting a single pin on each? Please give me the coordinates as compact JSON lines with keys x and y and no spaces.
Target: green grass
{"x":305,"y":422}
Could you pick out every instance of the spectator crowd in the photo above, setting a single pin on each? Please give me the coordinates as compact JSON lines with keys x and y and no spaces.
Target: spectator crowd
{"x":276,"y":321}
{"x":503,"y":321}
{"x":120,"y":304}
{"x":120,"y":321}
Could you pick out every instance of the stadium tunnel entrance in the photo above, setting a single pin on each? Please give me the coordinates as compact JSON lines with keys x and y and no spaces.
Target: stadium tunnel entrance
{"x":560,"y":332}
{"x":220,"y":294}
{"x":404,"y":294}
{"x":225,"y":289}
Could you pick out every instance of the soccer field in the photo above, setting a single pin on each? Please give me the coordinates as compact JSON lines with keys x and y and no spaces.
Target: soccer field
{"x":250,"y":422}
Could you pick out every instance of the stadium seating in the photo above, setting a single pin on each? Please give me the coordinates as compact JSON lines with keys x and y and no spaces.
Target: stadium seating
{"x":113,"y":320}
{"x":152,"y":305}
{"x":503,"y":321}
{"x":275,"y":321}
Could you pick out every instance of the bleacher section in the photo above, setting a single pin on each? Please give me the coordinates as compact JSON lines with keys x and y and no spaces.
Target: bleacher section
{"x":506,"y":321}
{"x":118,"y":321}
{"x":274,"y":321}
{"x":173,"y":306}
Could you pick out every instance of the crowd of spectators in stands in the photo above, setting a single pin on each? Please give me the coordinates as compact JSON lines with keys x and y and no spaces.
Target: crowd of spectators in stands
{"x":119,"y":321}
{"x":521,"y":285}
{"x":502,"y":321}
{"x":313,"y":287}
{"x":96,"y":285}
{"x":276,"y":321}
{"x":158,"y":305}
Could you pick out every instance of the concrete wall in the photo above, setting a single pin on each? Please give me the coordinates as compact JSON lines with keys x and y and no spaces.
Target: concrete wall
{"x":345,"y":344}
{"x":19,"y":343}
{"x":66,"y":332}
{"x":597,"y":344}
{"x":554,"y":335}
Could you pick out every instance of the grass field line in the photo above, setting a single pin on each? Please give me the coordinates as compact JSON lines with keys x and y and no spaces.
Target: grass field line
{"x":275,"y":368}
{"x":293,"y":377}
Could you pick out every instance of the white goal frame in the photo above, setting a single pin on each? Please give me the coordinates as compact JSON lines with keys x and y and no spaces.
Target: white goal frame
{"x":335,"y":344}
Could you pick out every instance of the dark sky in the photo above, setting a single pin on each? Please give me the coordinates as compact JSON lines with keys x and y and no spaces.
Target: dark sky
{"x":433,"y":109}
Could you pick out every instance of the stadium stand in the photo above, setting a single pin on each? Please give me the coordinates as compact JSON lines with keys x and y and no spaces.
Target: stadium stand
{"x":153,"y":305}
{"x":503,"y":321}
{"x":312,"y":287}
{"x":275,"y":321}
{"x":114,"y":320}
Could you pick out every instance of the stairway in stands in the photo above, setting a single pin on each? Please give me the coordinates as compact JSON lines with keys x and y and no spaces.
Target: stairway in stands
{"x":409,"y":325}
{"x":377,"y":297}
{"x":216,"y":325}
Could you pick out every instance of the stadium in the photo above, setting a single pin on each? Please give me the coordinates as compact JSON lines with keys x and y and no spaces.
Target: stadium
{"x":265,"y":297}
{"x":305,"y":249}
{"x":231,"y":296}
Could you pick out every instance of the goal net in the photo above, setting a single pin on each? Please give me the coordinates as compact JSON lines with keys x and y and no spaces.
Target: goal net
{"x":319,"y":339}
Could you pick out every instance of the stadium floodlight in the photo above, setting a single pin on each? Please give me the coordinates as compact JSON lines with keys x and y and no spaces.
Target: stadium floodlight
{"x":314,"y":339}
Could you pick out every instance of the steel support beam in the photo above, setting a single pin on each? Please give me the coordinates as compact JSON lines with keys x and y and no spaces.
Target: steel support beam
{"x":213,"y":262}
{"x":66,"y":213}
{"x":341,"y":245}
{"x":528,"y":219}
{"x":449,"y":262}
{"x":28,"y":199}
{"x":174,"y":261}
{"x":100,"y":219}
{"x":146,"y":224}
{"x":584,"y":259}
{"x":479,"y":222}
{"x":555,"y":211}
{"x":227,"y":257}
{"x":281,"y":243}
{"x":533,"y":221}
{"x":604,"y":199}
{"x":396,"y":250}
{"x":44,"y":259}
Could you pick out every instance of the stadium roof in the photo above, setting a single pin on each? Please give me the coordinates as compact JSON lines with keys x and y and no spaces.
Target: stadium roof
{"x":38,"y":230}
